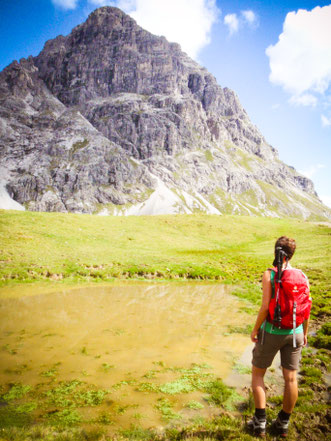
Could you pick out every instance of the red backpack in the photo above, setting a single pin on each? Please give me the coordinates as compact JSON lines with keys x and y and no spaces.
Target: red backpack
{"x":293,"y":298}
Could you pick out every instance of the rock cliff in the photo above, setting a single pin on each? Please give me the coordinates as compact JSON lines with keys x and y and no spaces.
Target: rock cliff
{"x":113,"y":119}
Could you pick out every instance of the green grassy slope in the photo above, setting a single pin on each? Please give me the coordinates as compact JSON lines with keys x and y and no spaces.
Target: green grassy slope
{"x":236,"y":249}
{"x":55,"y":249}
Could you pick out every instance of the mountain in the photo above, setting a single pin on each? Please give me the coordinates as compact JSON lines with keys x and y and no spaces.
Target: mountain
{"x":112,"y":119}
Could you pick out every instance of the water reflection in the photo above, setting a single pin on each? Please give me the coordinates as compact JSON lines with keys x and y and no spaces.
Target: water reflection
{"x":107,"y":335}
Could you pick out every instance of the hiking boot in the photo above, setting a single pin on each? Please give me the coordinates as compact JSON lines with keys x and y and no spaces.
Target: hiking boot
{"x":256,"y":426}
{"x":280,"y":427}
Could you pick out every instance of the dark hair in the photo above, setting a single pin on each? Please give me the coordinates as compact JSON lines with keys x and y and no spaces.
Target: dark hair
{"x":287,"y":245}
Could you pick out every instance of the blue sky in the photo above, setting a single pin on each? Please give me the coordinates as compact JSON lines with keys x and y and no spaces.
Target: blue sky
{"x":286,"y":90}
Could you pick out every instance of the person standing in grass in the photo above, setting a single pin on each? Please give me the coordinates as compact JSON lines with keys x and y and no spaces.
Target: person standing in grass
{"x":281,"y":325}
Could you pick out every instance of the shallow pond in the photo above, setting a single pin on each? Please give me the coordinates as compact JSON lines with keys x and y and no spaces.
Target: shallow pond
{"x":140,"y":353}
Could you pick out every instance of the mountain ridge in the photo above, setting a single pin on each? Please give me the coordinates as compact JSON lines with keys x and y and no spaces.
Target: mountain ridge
{"x":113,"y":119}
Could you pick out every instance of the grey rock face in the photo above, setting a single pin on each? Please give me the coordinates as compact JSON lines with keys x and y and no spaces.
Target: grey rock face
{"x":58,"y":160}
{"x":104,"y":115}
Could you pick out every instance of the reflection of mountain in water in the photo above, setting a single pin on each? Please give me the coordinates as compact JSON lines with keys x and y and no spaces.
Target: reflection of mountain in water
{"x":123,"y":339}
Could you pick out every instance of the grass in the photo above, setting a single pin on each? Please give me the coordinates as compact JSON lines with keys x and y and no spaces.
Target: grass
{"x":188,"y":380}
{"x":165,"y":407}
{"x":194,"y":405}
{"x":47,"y":403}
{"x":106,"y":367}
{"x":16,"y":391}
{"x":323,"y":337}
{"x":70,"y":247}
{"x":75,"y":393}
{"x":65,"y":417}
{"x":218,"y":392}
{"x":62,"y":404}
{"x":247,"y":329}
{"x":137,"y":433}
{"x":53,"y":249}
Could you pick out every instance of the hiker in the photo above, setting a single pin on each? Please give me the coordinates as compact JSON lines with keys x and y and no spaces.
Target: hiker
{"x":281,"y":325}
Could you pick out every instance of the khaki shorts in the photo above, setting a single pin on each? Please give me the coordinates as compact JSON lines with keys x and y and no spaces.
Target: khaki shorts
{"x":263,"y":355}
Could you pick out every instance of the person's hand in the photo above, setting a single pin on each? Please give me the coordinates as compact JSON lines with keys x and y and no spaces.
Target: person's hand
{"x":254,"y":336}
{"x":305,"y":340}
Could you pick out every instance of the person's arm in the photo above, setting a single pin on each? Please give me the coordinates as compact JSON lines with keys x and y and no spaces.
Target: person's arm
{"x":305,"y":332}
{"x":263,"y":312}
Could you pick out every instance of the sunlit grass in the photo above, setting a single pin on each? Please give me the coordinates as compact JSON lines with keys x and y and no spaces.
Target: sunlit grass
{"x":55,"y":249}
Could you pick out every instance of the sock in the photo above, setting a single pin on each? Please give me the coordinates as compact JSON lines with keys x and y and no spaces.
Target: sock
{"x":284,"y":416}
{"x":260,"y":414}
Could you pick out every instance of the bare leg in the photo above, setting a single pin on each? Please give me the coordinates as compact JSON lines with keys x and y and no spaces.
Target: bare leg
{"x":290,"y":390}
{"x":258,"y":387}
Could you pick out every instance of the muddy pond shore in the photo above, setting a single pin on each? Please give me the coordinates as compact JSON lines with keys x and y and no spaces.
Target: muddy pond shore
{"x":131,"y":346}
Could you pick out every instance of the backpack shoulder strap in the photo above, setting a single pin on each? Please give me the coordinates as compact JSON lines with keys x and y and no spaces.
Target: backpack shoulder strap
{"x":307,"y":280}
{"x":272,"y":281}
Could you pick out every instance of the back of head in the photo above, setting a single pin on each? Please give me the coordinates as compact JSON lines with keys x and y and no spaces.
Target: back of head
{"x":287,"y":245}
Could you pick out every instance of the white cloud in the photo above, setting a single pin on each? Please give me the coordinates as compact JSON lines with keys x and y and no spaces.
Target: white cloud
{"x":306,"y":99}
{"x":326,"y":199}
{"x":312,"y":170}
{"x":300,"y":61}
{"x":326,"y":122}
{"x":235,"y":22}
{"x":250,"y":17}
{"x":65,"y":4}
{"x":126,"y":5}
{"x":187,"y":22}
{"x":99,"y":3}
{"x":232,"y":22}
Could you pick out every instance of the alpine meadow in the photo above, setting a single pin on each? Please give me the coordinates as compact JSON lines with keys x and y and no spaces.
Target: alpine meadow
{"x":139,"y":209}
{"x":55,"y":252}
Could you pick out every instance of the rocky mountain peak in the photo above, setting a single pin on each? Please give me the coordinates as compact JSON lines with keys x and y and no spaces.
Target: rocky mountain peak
{"x":107,"y":54}
{"x":113,"y":119}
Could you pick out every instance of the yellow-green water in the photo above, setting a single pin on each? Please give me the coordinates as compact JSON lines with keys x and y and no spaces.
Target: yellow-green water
{"x":113,"y":334}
